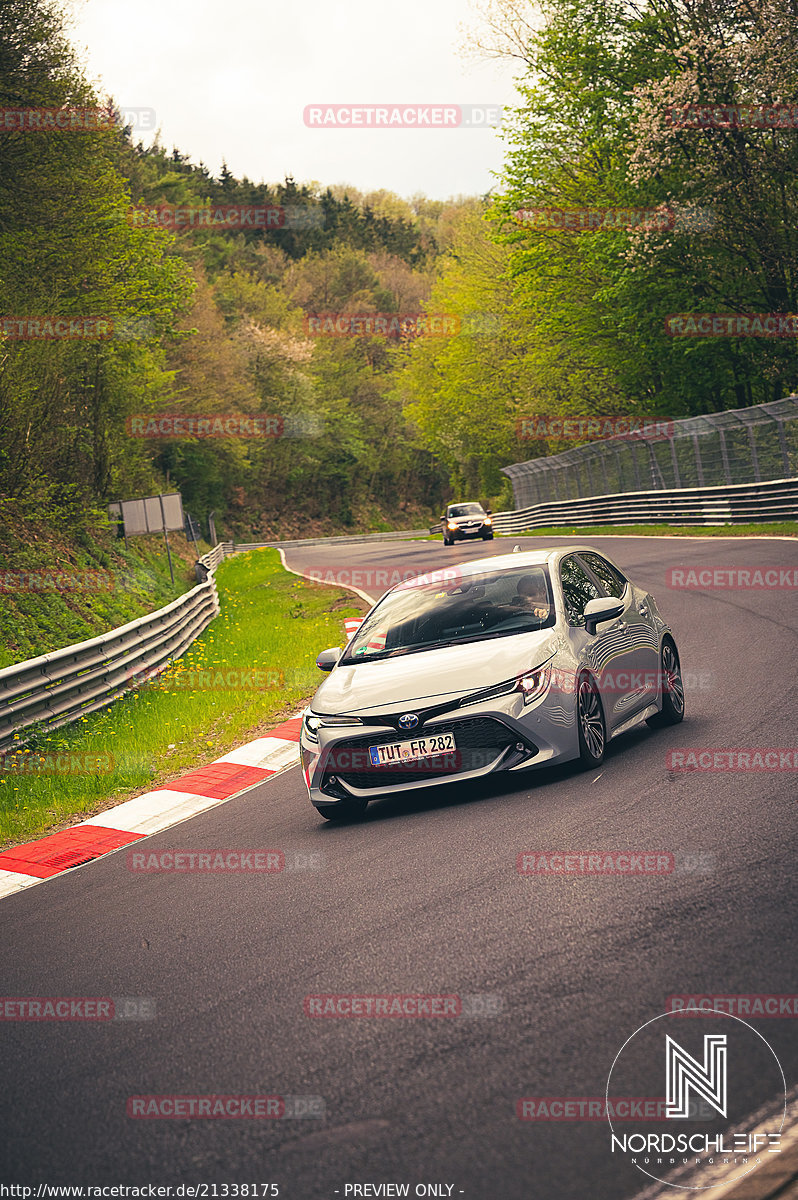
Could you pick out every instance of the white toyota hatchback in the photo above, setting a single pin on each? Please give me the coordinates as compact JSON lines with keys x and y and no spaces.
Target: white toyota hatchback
{"x":500,"y":664}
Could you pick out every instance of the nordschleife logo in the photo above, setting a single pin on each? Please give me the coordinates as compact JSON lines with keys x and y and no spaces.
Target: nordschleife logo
{"x":724,"y":1093}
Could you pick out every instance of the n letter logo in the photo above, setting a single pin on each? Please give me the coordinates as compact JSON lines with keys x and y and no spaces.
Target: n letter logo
{"x":684,"y":1072}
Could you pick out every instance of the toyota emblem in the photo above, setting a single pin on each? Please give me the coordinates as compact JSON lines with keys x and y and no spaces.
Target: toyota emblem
{"x":408,"y":721}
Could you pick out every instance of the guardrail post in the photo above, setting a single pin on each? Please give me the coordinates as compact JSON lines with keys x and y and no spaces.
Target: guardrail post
{"x":619,"y":469}
{"x":699,"y":466}
{"x":603,"y":461}
{"x":785,"y":458}
{"x":754,"y":455}
{"x":724,"y":453}
{"x":677,"y":479}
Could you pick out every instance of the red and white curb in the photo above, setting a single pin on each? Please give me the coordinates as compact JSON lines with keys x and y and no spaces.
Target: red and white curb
{"x":208,"y":786}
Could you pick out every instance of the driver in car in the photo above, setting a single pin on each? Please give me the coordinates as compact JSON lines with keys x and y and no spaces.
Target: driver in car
{"x":531,"y":594}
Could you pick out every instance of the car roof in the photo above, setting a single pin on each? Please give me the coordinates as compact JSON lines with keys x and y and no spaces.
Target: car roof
{"x":545,"y":556}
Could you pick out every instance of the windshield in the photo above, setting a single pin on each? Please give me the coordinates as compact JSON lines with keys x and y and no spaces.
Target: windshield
{"x":423,"y":615}
{"x":466,"y":510}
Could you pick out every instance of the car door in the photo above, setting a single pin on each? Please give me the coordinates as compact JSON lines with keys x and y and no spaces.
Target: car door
{"x":643,"y":652}
{"x":610,"y":653}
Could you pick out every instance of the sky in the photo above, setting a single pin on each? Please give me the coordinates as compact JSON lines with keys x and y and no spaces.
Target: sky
{"x":231,"y":79}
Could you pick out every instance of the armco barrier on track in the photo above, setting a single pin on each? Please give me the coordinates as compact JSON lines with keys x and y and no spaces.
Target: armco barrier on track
{"x":60,"y":687}
{"x":57,"y":688}
{"x":733,"y":504}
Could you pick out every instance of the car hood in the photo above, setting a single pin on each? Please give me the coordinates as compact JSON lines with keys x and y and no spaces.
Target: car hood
{"x":430,"y":675}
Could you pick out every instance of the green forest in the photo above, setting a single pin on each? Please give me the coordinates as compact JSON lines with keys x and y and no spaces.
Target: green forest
{"x":211,"y":315}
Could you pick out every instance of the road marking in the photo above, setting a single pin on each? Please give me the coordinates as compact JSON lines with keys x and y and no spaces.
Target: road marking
{"x":370,"y":600}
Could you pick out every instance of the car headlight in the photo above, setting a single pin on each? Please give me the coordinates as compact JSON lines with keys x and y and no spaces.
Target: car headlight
{"x":533,"y":684}
{"x":487,"y":521}
{"x":311,"y":724}
{"x":452,"y":525}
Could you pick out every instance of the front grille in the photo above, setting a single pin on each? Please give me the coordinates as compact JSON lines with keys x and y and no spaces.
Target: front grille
{"x":479,"y":742}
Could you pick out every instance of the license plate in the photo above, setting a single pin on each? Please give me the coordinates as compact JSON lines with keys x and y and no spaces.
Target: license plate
{"x":423,"y":747}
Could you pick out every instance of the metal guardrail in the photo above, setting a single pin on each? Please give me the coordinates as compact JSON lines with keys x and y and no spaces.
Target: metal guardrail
{"x":338,"y":539}
{"x":211,"y":560}
{"x":56,"y":688}
{"x":730,"y":505}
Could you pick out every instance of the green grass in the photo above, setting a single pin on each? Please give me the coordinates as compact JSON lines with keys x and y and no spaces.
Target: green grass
{"x":270,"y":621}
{"x":765,"y":529}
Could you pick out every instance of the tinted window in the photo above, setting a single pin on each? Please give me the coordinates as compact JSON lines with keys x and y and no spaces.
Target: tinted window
{"x":577,"y":588}
{"x":466,"y":510}
{"x":611,"y":579}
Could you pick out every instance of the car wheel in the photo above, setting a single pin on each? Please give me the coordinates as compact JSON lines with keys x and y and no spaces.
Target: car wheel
{"x":672,"y":687}
{"x":487,"y":537}
{"x":447,"y":541}
{"x":590,"y":723}
{"x":346,"y":810}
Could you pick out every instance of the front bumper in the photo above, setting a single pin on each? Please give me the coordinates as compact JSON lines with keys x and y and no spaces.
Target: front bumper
{"x":500,"y":735}
{"x":461,"y":534}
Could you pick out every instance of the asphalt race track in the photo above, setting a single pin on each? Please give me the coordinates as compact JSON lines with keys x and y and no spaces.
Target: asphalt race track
{"x":423,"y":896}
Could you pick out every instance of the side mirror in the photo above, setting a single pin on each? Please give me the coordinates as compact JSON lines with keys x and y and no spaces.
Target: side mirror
{"x":603,"y":608}
{"x":443,"y":518}
{"x":328,"y":658}
{"x":488,"y":512}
